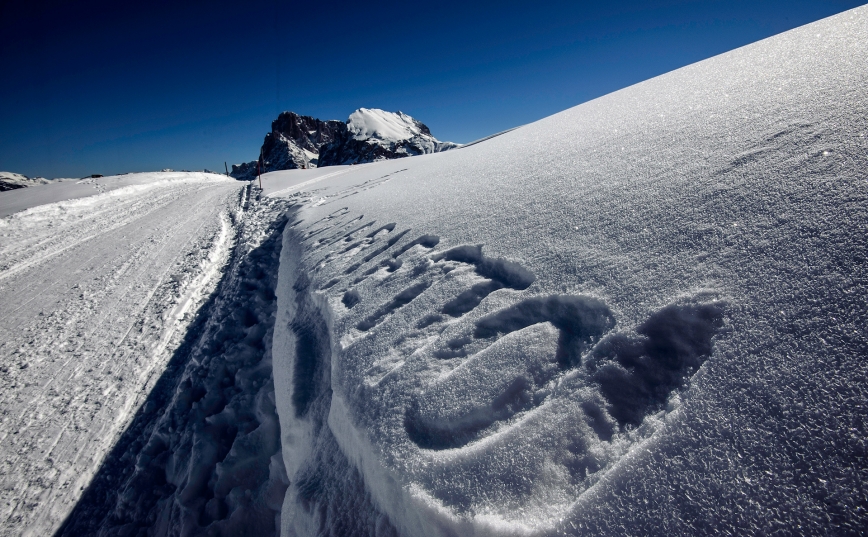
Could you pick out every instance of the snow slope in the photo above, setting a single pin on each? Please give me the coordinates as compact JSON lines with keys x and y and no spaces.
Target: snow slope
{"x":643,"y":315}
{"x":378,"y":126}
{"x":366,"y":123}
{"x":97,"y":293}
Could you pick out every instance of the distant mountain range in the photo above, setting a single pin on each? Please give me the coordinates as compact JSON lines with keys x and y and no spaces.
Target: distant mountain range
{"x":368,"y":135}
{"x":11,"y":181}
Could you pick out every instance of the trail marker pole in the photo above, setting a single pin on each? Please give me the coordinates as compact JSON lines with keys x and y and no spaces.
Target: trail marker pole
{"x":259,"y":169}
{"x":227,"y":168}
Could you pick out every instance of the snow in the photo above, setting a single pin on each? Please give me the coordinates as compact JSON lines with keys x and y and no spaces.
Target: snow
{"x":643,"y":315}
{"x":367,"y":123}
{"x":203,"y":454}
{"x":67,"y":189}
{"x":285,"y":182}
{"x":97,"y":294}
{"x":13,"y":201}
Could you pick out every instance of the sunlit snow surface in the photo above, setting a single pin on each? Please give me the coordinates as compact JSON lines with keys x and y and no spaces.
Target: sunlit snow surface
{"x":96,"y":294}
{"x":643,"y":315}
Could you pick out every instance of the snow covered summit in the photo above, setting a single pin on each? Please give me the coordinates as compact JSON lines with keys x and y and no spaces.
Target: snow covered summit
{"x":374,"y":134}
{"x":367,"y":123}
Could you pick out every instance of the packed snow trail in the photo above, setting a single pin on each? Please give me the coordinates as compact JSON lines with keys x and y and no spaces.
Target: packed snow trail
{"x":644,"y":315}
{"x":96,"y":295}
{"x":202,"y":455}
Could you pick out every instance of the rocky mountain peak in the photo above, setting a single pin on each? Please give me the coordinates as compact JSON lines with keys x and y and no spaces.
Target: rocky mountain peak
{"x":368,"y":135}
{"x":306,"y":132}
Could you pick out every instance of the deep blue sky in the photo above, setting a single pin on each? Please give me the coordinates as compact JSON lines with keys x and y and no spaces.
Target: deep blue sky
{"x":94,"y":87}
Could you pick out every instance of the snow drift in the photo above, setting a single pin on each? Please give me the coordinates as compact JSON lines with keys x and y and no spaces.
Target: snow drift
{"x":643,"y":315}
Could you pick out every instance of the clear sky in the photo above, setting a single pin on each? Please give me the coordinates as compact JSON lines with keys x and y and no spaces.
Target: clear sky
{"x":99,"y":87}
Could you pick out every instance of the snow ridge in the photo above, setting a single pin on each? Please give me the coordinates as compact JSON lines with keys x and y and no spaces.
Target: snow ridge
{"x":327,"y":490}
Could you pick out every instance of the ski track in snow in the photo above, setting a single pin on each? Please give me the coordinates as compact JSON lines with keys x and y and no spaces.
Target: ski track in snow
{"x":95,"y":292}
{"x":202,"y":455}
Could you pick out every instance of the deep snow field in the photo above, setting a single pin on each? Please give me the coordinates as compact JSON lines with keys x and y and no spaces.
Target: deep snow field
{"x":644,"y":315}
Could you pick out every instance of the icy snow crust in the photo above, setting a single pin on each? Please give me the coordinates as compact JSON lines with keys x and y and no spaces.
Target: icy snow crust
{"x":643,"y":315}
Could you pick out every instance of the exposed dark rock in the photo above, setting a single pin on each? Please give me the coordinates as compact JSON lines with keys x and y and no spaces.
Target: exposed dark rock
{"x":300,"y":142}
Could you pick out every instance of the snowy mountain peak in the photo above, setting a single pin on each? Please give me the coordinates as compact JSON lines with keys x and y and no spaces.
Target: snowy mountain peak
{"x":366,"y":123}
{"x":374,"y":134}
{"x":368,"y":135}
{"x":12,"y":181}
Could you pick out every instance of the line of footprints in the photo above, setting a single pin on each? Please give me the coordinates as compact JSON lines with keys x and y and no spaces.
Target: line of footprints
{"x":512,"y":355}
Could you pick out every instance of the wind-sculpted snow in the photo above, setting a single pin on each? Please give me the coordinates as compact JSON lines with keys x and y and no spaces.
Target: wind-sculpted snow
{"x":327,"y":489}
{"x":500,"y":376}
{"x":643,"y":315}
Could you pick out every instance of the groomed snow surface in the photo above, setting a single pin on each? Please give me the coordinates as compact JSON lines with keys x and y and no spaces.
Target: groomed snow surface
{"x":136,"y":359}
{"x":641,"y":316}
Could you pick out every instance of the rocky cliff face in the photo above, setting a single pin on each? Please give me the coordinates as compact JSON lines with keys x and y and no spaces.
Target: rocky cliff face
{"x":368,"y":135}
{"x":373,"y":134}
{"x":293,"y":142}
